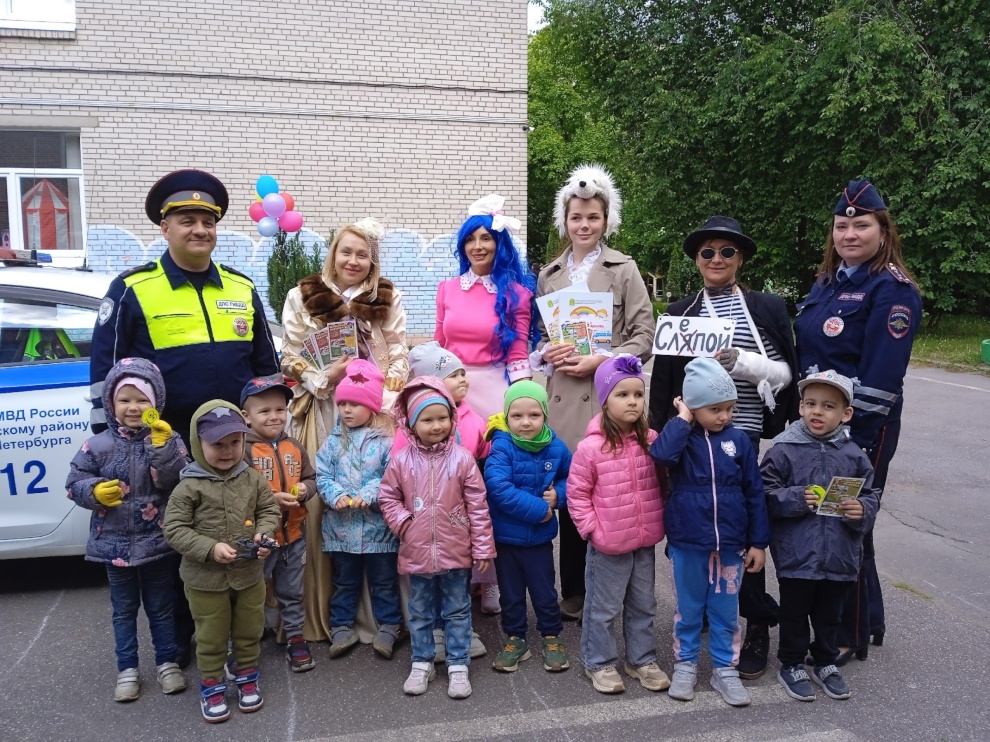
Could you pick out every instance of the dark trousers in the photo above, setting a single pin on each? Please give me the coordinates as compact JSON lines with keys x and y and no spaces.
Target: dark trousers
{"x":527,"y":567}
{"x":864,"y":613}
{"x":820,"y":601}
{"x":573,"y":551}
{"x":151,"y":584}
{"x":756,"y":605}
{"x":185,"y":627}
{"x":349,"y":571}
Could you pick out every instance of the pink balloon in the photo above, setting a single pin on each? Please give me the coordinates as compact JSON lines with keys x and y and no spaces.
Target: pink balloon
{"x":256,"y":211}
{"x":274,"y":205}
{"x":291,"y":221}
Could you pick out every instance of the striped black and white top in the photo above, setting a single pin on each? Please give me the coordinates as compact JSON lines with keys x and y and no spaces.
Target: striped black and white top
{"x":749,"y":407}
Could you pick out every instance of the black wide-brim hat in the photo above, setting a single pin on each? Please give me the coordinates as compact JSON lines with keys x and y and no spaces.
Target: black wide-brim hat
{"x":719,"y":227}
{"x":186,"y":190}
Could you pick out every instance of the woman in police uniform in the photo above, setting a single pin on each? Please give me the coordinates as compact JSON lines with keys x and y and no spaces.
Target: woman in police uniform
{"x":860,"y":320}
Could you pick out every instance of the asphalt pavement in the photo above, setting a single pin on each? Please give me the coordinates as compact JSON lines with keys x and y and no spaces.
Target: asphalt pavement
{"x":927,"y":682}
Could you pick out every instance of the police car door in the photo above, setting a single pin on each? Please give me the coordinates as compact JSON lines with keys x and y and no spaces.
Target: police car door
{"x":45,"y":339}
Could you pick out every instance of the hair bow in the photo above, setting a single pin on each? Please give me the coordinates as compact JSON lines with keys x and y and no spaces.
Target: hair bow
{"x":491,"y":205}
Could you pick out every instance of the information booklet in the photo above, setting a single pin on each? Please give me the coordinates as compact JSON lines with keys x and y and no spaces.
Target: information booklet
{"x":572,"y":308}
{"x":325,"y":346}
{"x":839,"y":489}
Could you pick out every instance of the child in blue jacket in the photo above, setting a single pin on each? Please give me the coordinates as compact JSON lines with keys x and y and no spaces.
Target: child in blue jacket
{"x":716,"y":525}
{"x":526,"y":475}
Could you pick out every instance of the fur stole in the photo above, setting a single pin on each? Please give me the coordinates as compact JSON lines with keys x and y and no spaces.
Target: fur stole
{"x":327,"y":306}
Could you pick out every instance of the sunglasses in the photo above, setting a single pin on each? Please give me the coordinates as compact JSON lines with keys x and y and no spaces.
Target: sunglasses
{"x":728,"y":252}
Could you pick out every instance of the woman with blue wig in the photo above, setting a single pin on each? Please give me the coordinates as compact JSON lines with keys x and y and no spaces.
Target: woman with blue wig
{"x":484,"y":316}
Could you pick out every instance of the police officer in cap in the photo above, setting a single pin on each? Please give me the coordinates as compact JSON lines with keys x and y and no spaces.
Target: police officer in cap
{"x":860,"y":319}
{"x":202,"y":324}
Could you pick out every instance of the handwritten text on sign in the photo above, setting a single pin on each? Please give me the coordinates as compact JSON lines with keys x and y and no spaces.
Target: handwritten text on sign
{"x":692,"y":336}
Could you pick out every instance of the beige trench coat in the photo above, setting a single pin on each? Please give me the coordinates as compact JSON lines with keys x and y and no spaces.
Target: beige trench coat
{"x":313,"y":413}
{"x":573,"y":401}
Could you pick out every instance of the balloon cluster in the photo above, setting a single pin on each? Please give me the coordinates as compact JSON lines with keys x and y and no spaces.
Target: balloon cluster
{"x":274,"y":211}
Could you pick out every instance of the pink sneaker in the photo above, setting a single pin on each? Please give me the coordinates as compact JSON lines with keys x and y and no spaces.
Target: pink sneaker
{"x":489,"y":599}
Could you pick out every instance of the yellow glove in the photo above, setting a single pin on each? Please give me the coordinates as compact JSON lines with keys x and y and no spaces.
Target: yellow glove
{"x":109,"y":494}
{"x":161,"y":431}
{"x":393,"y":384}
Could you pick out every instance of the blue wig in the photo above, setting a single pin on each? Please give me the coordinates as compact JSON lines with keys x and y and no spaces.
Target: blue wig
{"x":508,"y":269}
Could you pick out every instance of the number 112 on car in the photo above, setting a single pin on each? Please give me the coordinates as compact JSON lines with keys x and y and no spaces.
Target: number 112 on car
{"x":30,"y":478}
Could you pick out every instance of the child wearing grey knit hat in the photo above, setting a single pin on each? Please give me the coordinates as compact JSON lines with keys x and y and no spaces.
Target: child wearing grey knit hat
{"x":706,"y":383}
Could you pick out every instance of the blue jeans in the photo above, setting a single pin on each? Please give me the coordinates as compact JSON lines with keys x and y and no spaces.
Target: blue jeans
{"x":707,"y":582}
{"x":383,"y":584}
{"x":455,"y":587}
{"x":614,"y":583}
{"x":153,"y":584}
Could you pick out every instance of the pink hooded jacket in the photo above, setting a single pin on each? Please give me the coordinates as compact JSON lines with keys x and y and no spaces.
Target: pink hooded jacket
{"x":442,"y":491}
{"x":614,"y":498}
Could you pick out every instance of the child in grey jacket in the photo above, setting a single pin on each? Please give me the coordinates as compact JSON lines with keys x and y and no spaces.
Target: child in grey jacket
{"x":817,"y":556}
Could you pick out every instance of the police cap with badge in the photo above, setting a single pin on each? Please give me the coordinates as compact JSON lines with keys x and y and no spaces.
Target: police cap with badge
{"x":186,"y":190}
{"x":859,"y":199}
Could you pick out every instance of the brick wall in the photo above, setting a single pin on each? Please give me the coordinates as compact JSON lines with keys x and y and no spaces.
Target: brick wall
{"x":405,"y":110}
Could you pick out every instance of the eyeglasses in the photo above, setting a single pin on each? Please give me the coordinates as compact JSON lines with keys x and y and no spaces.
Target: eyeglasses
{"x":728,"y":252}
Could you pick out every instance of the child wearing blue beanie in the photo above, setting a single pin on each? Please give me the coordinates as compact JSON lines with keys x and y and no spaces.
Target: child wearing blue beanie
{"x":716,"y":524}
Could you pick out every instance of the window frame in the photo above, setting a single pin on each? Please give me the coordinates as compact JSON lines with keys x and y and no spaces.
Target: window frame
{"x":9,"y":20}
{"x":18,"y":238}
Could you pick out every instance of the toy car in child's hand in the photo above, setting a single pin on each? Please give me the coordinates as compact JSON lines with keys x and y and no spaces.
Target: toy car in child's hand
{"x":248,"y":549}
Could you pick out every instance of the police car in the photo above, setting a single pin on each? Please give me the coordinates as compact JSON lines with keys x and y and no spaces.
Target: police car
{"x":46,"y":325}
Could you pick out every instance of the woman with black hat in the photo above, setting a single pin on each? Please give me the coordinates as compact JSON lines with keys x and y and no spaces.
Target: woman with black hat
{"x":860,"y":319}
{"x":762,"y":362}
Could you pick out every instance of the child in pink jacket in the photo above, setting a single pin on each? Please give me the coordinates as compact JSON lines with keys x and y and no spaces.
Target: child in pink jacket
{"x":613,"y":497}
{"x":433,"y":499}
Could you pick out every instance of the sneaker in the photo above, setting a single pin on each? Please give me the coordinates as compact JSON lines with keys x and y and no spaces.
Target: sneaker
{"x":606,"y":680}
{"x":683,"y":682}
{"x":572,"y":608}
{"x":420,"y":676}
{"x":796,"y":682}
{"x":489,"y":599}
{"x":755,"y":648}
{"x":554,"y":654}
{"x":297,"y":654}
{"x":725,"y":680}
{"x":458,"y":684}
{"x":212,"y":701}
{"x":170,"y":678}
{"x":440,"y":646}
{"x":515,"y":651}
{"x":128,"y":685}
{"x":477,"y":649}
{"x":649,"y":676}
{"x":343,"y":638}
{"x":385,"y":639}
{"x":831,"y":682}
{"x":249,"y":697}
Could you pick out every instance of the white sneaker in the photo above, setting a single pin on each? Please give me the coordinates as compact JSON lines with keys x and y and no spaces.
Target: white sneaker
{"x":419,"y":678}
{"x":478,"y":648}
{"x":128,"y":685}
{"x":458,"y":684}
{"x":170,"y":678}
{"x":489,"y":599}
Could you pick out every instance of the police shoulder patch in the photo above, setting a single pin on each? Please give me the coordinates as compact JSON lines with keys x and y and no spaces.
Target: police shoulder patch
{"x":899,"y":321}
{"x":150,"y":266}
{"x":898,"y":274}
{"x":106,"y":309}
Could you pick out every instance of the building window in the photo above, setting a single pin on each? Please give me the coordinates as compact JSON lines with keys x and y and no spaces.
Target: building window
{"x":40,"y":15}
{"x":41,"y":192}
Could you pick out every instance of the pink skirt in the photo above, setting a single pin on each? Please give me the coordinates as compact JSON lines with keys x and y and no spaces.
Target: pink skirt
{"x":486,"y":395}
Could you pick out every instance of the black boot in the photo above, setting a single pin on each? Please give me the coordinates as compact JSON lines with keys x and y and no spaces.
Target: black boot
{"x":756,"y":647}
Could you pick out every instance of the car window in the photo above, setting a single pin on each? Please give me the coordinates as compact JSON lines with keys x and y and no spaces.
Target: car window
{"x":39,"y":331}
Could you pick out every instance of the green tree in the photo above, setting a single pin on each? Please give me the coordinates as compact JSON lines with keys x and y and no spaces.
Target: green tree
{"x":763,"y":111}
{"x":290,"y":261}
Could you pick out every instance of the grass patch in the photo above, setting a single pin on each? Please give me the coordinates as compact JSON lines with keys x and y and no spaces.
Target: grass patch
{"x":913,"y":590}
{"x":953,"y":344}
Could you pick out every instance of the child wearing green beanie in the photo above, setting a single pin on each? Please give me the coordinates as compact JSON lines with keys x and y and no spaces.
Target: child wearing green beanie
{"x":525,"y":475}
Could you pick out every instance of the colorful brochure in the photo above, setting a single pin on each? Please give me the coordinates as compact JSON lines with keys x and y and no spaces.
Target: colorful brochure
{"x":325,"y":346}
{"x":568,"y":307}
{"x":839,"y":489}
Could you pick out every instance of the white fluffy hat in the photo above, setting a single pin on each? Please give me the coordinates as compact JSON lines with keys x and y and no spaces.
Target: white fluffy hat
{"x":373,"y":233}
{"x":588,"y":181}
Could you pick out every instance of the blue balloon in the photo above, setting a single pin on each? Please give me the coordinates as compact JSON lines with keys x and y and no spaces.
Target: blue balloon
{"x":267,"y":226}
{"x":266,"y":184}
